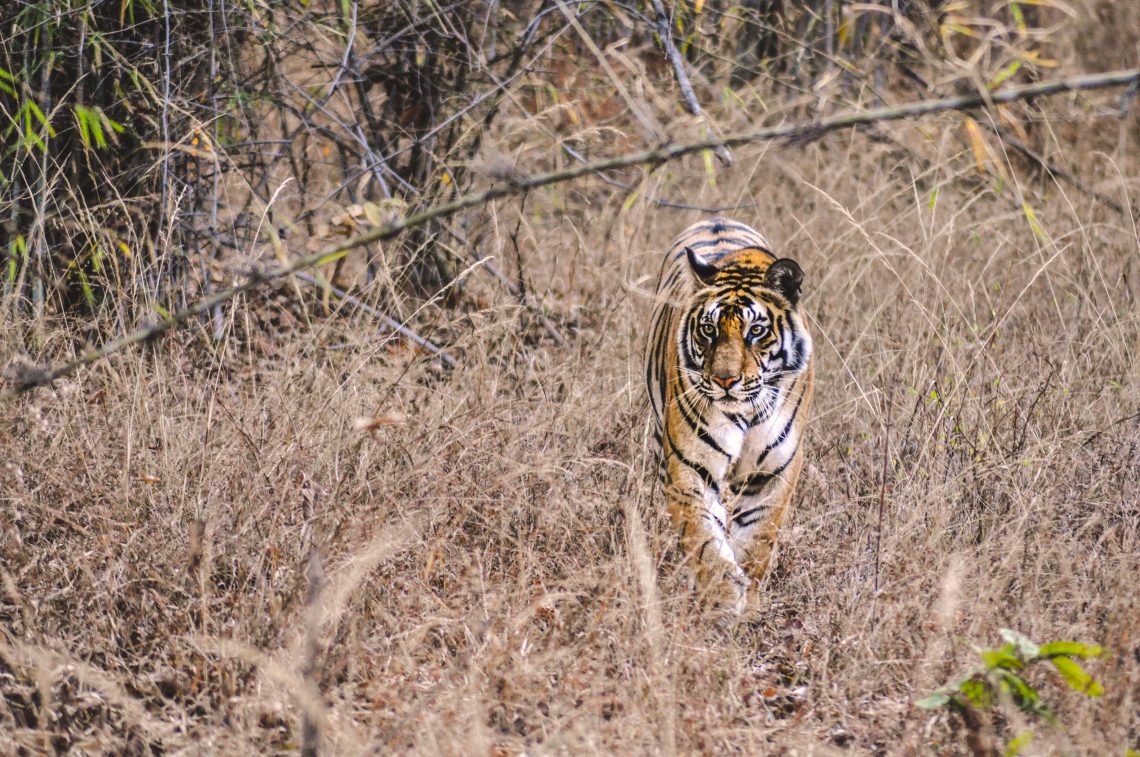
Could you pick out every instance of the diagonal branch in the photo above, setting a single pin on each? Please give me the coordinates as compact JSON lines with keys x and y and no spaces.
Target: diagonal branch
{"x":30,"y":378}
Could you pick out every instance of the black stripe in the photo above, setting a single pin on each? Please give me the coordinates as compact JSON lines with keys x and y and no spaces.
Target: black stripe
{"x":687,"y":343}
{"x":739,"y":421}
{"x":783,"y":435}
{"x":732,"y":244}
{"x":783,"y":327}
{"x":735,"y":278}
{"x":668,"y":283}
{"x":696,"y":426}
{"x":738,"y":518}
{"x":720,"y":225}
{"x":798,"y":350}
{"x":696,"y":467}
{"x":719,"y":242}
{"x":755,"y":482}
{"x":719,"y":524}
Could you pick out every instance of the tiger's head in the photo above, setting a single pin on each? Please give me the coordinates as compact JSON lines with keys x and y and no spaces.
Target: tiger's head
{"x":742,"y":336}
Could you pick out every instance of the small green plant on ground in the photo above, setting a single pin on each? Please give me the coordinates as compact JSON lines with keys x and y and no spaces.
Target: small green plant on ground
{"x":1000,"y":680}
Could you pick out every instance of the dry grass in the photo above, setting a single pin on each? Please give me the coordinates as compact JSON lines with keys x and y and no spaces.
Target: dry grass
{"x":498,"y":575}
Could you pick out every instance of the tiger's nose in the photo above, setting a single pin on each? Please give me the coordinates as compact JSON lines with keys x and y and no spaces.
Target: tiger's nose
{"x":726,"y":382}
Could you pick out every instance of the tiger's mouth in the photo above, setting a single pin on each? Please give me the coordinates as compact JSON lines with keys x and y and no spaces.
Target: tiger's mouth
{"x":748,"y":391}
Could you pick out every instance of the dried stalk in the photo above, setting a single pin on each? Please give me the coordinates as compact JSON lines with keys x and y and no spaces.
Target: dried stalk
{"x":311,"y":726}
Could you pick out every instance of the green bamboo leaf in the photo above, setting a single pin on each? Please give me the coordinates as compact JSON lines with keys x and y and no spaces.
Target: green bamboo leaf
{"x":7,"y":82}
{"x":97,"y":132}
{"x":113,"y":125}
{"x":1018,"y":17}
{"x":1076,"y":677}
{"x":34,"y":110}
{"x":1003,"y":658}
{"x":625,"y":206}
{"x":17,"y":249}
{"x":1018,"y":688}
{"x":1034,"y":224}
{"x":85,"y":286}
{"x":331,"y":257}
{"x":31,"y":138}
{"x":81,"y":116}
{"x":1023,"y":695}
{"x":1004,"y":74}
{"x":1071,"y":648}
{"x":979,"y":692}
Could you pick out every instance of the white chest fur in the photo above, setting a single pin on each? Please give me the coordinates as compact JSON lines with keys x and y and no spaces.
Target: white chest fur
{"x":773,"y":436}
{"x":727,"y":435}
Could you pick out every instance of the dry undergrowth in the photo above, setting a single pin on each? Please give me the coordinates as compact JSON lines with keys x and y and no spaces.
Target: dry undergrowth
{"x":494,"y":572}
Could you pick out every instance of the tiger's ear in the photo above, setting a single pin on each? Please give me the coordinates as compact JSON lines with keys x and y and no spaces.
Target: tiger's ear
{"x":785,"y":276}
{"x":703,"y":269}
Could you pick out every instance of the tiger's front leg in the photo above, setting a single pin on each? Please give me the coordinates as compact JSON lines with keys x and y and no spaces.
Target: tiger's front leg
{"x":758,"y":511}
{"x":697,"y":512}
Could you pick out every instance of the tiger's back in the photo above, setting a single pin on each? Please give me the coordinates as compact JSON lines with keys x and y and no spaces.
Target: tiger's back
{"x":729,"y":377}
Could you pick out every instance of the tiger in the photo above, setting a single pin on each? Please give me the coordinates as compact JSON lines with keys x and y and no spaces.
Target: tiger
{"x":730,"y":377}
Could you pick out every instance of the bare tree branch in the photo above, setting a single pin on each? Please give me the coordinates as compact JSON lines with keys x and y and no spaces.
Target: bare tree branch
{"x":666,"y":34}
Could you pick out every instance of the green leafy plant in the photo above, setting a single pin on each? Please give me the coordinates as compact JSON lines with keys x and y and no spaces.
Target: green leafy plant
{"x":94,"y":125}
{"x":1000,"y":679}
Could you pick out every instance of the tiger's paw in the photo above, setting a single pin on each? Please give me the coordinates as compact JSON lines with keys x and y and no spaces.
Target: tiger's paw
{"x":726,"y":593}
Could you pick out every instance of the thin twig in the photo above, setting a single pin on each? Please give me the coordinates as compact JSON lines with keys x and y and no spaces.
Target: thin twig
{"x":883,"y":488}
{"x":1055,"y":171}
{"x":388,"y":321}
{"x":652,"y":128}
{"x":493,"y":270}
{"x":1093,"y":436}
{"x":30,"y":378}
{"x":315,"y":575}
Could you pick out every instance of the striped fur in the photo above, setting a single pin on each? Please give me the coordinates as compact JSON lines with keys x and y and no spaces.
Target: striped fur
{"x":729,"y":372}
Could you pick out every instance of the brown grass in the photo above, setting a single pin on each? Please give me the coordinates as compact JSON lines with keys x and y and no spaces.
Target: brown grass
{"x":499,"y":576}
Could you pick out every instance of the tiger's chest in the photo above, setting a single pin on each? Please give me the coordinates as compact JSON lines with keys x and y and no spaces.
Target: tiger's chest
{"x":739,"y":450}
{"x":726,"y":435}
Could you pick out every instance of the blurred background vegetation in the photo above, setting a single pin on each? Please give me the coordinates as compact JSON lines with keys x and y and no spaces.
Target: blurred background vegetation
{"x":153,"y":150}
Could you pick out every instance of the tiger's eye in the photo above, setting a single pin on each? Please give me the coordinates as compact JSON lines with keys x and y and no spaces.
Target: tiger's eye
{"x":707,"y":330}
{"x":758,"y":330}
